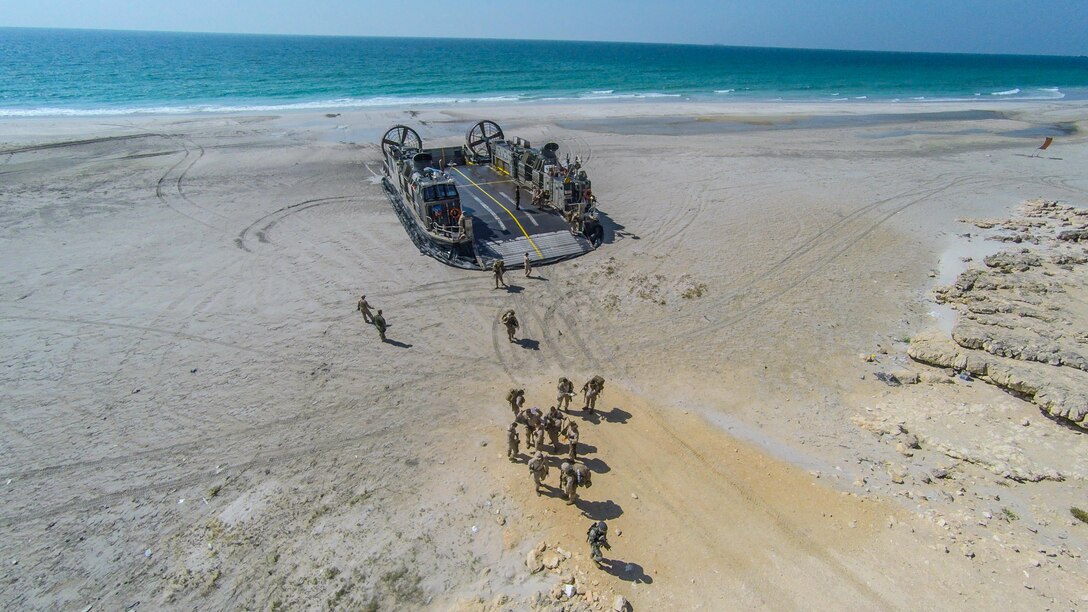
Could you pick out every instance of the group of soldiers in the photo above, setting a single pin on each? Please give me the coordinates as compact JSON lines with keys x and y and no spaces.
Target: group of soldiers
{"x":377,"y":320}
{"x":543,"y":432}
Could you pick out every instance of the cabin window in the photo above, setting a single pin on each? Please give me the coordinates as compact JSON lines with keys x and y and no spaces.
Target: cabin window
{"x":439,"y":192}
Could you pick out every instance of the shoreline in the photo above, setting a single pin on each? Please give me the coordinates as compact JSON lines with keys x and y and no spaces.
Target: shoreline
{"x":652,"y":102}
{"x":1036,"y":119}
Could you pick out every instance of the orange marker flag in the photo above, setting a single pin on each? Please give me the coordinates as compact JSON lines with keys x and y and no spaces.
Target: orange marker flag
{"x":1046,"y":143}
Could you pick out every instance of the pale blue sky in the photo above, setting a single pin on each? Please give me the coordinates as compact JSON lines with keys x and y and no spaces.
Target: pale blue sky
{"x":970,"y":26}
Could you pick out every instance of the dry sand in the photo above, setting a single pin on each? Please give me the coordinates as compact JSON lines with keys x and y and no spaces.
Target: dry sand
{"x":195,"y":417}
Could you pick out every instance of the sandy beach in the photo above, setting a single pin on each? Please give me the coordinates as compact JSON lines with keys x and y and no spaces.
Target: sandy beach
{"x":196,"y":417}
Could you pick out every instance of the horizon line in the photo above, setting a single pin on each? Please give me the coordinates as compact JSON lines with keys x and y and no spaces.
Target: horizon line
{"x":555,"y":40}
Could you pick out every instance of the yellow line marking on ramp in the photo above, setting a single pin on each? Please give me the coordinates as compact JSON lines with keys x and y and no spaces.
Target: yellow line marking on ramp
{"x":520,"y":227}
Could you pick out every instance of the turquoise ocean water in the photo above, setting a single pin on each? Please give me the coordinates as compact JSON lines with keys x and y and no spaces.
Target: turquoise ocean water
{"x":86,"y":72}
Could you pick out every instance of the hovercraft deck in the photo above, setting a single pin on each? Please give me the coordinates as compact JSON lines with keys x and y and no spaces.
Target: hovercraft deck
{"x":458,"y":204}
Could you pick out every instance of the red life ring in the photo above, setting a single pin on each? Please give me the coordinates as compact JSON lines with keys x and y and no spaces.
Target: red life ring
{"x":454,"y":213}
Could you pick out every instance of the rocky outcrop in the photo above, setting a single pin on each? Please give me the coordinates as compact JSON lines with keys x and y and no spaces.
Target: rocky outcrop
{"x":1022,"y":320}
{"x":1061,"y":394}
{"x":1013,"y":262}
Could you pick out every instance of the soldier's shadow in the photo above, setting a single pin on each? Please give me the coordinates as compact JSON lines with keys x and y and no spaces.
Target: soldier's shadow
{"x":584,"y":448}
{"x":526,"y":343}
{"x":624,"y":570}
{"x":397,"y":344}
{"x":599,"y":510}
{"x":514,"y":289}
{"x":593,"y":417}
{"x":596,"y":465}
{"x":553,"y":492}
{"x":616,"y":415}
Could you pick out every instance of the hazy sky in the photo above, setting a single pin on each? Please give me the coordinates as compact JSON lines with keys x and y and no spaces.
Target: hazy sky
{"x":972,"y":26}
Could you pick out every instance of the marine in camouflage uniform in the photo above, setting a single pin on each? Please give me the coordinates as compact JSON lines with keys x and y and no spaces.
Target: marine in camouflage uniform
{"x":512,"y":441}
{"x":364,"y":307}
{"x":570,"y":431}
{"x":539,"y":435}
{"x":538,"y":467}
{"x":498,"y":267}
{"x":572,"y":445}
{"x":592,"y":390}
{"x":553,"y":424}
{"x":516,"y":399}
{"x":379,"y":323}
{"x":529,"y":417}
{"x":566,"y":391}
{"x":510,"y":320}
{"x":597,"y":536}
{"x":571,"y":476}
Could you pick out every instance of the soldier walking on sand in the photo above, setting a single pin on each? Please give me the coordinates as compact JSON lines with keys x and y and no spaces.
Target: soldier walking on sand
{"x":498,"y":267}
{"x":567,"y":483}
{"x":516,"y":399}
{"x":529,"y":418}
{"x":512,"y":441}
{"x":571,"y":476}
{"x":570,"y":428}
{"x":592,"y":390}
{"x":572,"y":444}
{"x":528,"y":265}
{"x":566,"y":392}
{"x":364,"y":307}
{"x":539,"y":434}
{"x":510,"y":320}
{"x":553,"y":424}
{"x":538,"y":467}
{"x":379,"y":323}
{"x":597,"y":537}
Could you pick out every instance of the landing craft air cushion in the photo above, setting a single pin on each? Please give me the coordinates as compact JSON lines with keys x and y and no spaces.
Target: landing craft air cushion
{"x":459,"y":204}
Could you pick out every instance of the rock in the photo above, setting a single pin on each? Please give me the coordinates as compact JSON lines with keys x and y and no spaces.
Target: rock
{"x":1013,"y":262}
{"x":897,"y":474}
{"x":633,"y":496}
{"x":552,"y":560}
{"x":939,"y":473}
{"x":501,"y":520}
{"x":483,"y":442}
{"x":1062,"y":394}
{"x":620,"y":604}
{"x":1077,"y":235}
{"x":904,"y":450}
{"x":533,"y":562}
